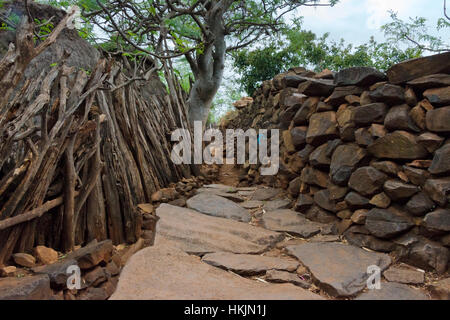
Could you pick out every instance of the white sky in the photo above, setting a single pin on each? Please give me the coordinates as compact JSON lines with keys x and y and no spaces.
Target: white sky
{"x":357,"y":20}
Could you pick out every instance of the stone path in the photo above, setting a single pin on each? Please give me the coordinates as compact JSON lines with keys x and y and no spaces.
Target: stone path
{"x":252,"y":246}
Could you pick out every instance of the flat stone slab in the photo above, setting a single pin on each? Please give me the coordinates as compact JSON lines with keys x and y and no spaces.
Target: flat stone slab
{"x":265,"y":194}
{"x":339,"y":269}
{"x":213,"y":205}
{"x":394,"y":291}
{"x":291,"y":222}
{"x":26,"y":288}
{"x":404,"y":275}
{"x":197,"y":233}
{"x":252,"y":204}
{"x":163,"y":272}
{"x":221,"y":187}
{"x":247,"y":264}
{"x":277,"y":204}
{"x":277,"y":276}
{"x":235,"y":197}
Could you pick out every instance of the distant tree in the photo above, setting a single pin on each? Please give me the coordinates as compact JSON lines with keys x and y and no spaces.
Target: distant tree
{"x":416,"y":32}
{"x":297,"y":47}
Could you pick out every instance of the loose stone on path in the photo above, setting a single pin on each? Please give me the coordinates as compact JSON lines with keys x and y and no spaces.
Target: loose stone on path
{"x":394,"y":291}
{"x":291,"y":222}
{"x":214,"y":205}
{"x":339,"y":269}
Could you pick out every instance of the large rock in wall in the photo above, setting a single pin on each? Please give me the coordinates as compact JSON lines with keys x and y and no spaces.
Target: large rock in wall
{"x":374,"y":152}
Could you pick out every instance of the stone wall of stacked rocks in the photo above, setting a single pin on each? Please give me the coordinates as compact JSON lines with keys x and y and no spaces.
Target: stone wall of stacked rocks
{"x":366,"y":150}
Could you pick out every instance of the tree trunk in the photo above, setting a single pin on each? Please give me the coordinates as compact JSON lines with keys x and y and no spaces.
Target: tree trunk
{"x":200,"y":101}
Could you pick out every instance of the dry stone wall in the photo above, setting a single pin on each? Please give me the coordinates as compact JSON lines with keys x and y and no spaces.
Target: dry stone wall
{"x":366,"y":150}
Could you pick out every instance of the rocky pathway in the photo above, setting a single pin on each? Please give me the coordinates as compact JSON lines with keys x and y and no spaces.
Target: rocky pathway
{"x":245,"y":243}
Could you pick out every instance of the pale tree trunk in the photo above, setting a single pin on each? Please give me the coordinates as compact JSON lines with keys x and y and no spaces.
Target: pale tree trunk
{"x":208,"y":67}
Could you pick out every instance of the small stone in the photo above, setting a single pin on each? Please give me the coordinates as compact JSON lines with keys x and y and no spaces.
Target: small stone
{"x":277,"y":204}
{"x":377,"y":130}
{"x":388,"y":167}
{"x":398,"y":119}
{"x":419,"y":204}
{"x":95,"y":277}
{"x":358,"y":76}
{"x":180,"y":202}
{"x":438,"y":220}
{"x":304,"y":202}
{"x":397,"y":190}
{"x":314,"y":177}
{"x":92,"y":254}
{"x":298,"y":135}
{"x":304,"y":113}
{"x":316,"y":87}
{"x":389,"y":93}
{"x":398,"y":145}
{"x":358,"y":236}
{"x":359,"y":217}
{"x":438,"y":96}
{"x":420,"y":164}
{"x":438,"y":120}
{"x":45,"y":255}
{"x":214,"y":205}
{"x":416,"y":176}
{"x":394,"y":291}
{"x":385,"y":224}
{"x":410,"y":97}
{"x":317,"y":214}
{"x":430,"y":141}
{"x":277,"y":276}
{"x":24,"y":260}
{"x":406,"y":275}
{"x":319,"y":158}
{"x":245,"y":264}
{"x":7,"y":271}
{"x":356,"y":201}
{"x":367,"y":181}
{"x":322,"y":199}
{"x":291,"y":222}
{"x":438,"y":190}
{"x":363,"y":137}
{"x":339,"y":94}
{"x":418,"y":115}
{"x":345,"y":214}
{"x":264,"y":194}
{"x":441,"y":160}
{"x":423,"y":253}
{"x":287,"y":140}
{"x":368,"y":114}
{"x":337,"y":192}
{"x":381,"y":200}
{"x":322,"y":127}
{"x":294,"y":186}
{"x":344,"y":162}
{"x":164,"y":195}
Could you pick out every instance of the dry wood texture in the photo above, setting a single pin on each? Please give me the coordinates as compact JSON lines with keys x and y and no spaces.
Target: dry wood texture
{"x":76,"y":157}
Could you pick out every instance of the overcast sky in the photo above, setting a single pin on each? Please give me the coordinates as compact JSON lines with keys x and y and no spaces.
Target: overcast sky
{"x":357,"y":20}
